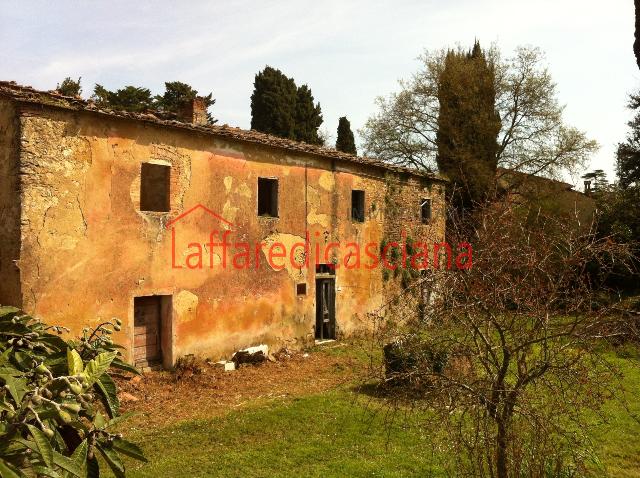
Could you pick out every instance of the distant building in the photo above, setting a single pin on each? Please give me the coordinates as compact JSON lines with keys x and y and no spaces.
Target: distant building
{"x":554,"y":196}
{"x":114,"y":214}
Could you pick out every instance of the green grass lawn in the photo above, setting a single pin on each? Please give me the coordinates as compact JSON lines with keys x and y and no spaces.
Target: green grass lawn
{"x":338,"y":434}
{"x":617,"y":442}
{"x":320,"y":435}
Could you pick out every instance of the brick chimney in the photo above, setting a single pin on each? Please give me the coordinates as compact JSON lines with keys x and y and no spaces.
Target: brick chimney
{"x":194,"y":111}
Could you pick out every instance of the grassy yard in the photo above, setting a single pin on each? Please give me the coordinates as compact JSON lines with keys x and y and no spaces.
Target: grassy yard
{"x":618,"y":441}
{"x":319,"y":435}
{"x":337,"y":433}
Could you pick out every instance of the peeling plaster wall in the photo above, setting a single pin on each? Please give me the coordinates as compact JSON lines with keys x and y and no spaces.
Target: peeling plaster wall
{"x":9,"y":206}
{"x":87,"y":249}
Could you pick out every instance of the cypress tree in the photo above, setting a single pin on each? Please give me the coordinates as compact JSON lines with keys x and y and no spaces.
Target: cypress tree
{"x":273,"y":103}
{"x":279,"y":107}
{"x":345,"y":141}
{"x":308,"y":117}
{"x":468,"y":127}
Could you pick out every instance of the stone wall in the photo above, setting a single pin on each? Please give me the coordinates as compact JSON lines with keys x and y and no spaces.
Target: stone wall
{"x":87,"y":249}
{"x":403,"y":225}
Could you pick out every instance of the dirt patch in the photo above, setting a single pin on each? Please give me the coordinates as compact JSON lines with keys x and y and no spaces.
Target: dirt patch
{"x":161,"y":398}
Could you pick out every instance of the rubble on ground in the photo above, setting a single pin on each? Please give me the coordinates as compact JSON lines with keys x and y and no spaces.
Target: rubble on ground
{"x":251,"y":355}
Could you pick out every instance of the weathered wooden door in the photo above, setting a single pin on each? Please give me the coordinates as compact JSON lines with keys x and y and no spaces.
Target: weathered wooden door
{"x":147,"y":328}
{"x":325,"y":309}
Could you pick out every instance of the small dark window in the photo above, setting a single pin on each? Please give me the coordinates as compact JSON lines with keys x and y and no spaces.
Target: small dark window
{"x":425,"y":211}
{"x":301,"y":289}
{"x":154,"y":187}
{"x":267,"y":197}
{"x":357,"y":205}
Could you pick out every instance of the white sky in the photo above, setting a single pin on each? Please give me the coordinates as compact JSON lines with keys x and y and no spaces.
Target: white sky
{"x":348,"y":52}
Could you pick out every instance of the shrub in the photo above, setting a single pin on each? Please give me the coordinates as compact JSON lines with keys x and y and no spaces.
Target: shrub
{"x":405,"y":355}
{"x":58,"y":401}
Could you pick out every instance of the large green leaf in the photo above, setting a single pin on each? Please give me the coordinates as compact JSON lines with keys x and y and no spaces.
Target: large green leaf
{"x":14,"y":372}
{"x":44,"y":446}
{"x":9,"y":471}
{"x":99,"y":422}
{"x":74,"y":362}
{"x":108,"y":393}
{"x":57,"y":363}
{"x":55,"y":343}
{"x":93,"y":468}
{"x":23,"y":359}
{"x":9,"y":328}
{"x":80,"y":453}
{"x":42,"y":471}
{"x":119,"y":418}
{"x":129,"y":449}
{"x":113,"y":459}
{"x":4,"y":357}
{"x":19,"y":445}
{"x":17,"y":387}
{"x":120,"y":364}
{"x":6,"y":311}
{"x":5,"y":407}
{"x":79,"y":456}
{"x":99,"y":365}
{"x":68,"y":464}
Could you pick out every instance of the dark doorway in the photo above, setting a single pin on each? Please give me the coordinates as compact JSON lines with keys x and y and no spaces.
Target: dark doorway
{"x":325,"y":309}
{"x":147,"y":333}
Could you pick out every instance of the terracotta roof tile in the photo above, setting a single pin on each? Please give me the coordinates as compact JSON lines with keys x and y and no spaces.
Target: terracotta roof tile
{"x":52,"y":98}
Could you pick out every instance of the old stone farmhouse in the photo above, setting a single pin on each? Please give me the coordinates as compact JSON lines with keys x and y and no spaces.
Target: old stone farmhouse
{"x":114,"y":214}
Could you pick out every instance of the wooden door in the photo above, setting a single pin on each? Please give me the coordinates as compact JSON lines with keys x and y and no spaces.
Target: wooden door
{"x":325,"y":309}
{"x":147,"y":327}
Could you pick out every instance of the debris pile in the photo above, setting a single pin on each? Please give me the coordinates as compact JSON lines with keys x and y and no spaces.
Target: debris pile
{"x":251,"y":355}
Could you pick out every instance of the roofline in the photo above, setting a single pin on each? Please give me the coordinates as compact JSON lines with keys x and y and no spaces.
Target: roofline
{"x":28,"y":95}
{"x":505,"y":171}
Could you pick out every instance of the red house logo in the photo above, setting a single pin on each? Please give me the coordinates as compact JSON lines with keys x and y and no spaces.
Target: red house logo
{"x":194,"y":260}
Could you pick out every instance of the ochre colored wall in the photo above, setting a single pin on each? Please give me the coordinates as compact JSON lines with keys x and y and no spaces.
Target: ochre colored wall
{"x":87,"y":249}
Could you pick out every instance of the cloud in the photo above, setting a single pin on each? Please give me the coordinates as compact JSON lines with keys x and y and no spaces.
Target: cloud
{"x":348,"y":52}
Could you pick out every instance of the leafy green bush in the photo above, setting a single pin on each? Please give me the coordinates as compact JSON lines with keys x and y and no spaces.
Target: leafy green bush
{"x":58,"y":401}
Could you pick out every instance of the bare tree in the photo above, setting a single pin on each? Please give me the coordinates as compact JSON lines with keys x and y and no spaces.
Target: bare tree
{"x":327,"y":138}
{"x":533,"y":136}
{"x":508,"y":354}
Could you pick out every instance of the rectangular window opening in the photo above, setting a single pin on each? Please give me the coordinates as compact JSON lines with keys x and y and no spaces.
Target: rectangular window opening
{"x":267,"y":197}
{"x":425,"y":211}
{"x":301,"y":289}
{"x":357,"y":205}
{"x":154,"y":187}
